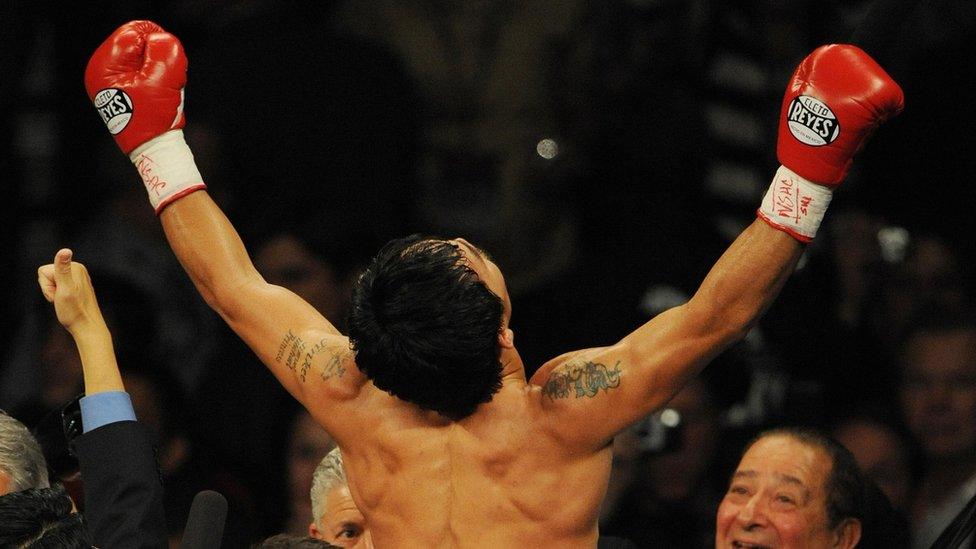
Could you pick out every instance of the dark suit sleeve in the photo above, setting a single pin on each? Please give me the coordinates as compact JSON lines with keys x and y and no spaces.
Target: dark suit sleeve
{"x":123,"y":490}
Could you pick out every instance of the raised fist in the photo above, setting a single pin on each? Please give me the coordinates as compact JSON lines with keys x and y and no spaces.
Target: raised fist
{"x":835,"y":99}
{"x":135,"y":80}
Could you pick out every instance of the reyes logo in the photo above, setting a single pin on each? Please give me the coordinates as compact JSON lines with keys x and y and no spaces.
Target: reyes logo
{"x":812,"y":122}
{"x":115,"y":108}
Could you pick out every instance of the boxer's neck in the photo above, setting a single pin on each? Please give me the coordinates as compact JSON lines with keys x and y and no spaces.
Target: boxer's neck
{"x":512,"y":366}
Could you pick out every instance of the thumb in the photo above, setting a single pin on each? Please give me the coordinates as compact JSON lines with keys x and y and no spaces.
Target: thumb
{"x":62,"y":265}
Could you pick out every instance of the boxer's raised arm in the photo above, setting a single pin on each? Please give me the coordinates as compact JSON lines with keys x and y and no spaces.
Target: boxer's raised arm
{"x":300,"y":346}
{"x":836,"y":98}
{"x":135,"y":80}
{"x":592,"y":395}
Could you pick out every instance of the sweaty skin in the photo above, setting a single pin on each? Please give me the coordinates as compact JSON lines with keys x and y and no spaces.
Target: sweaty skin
{"x":529,"y":468}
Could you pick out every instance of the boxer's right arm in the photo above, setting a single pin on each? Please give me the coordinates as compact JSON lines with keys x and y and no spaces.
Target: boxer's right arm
{"x":290,"y":336}
{"x":135,"y":80}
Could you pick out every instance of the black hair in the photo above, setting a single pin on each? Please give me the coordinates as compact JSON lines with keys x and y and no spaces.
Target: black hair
{"x":425,"y":327}
{"x":290,"y":541}
{"x":41,"y":518}
{"x":846,"y":486}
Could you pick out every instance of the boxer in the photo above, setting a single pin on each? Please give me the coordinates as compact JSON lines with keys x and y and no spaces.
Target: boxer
{"x":445,"y":441}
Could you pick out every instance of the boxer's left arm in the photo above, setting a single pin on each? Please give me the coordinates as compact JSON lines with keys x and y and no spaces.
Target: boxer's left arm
{"x":592,"y":395}
{"x":135,"y":80}
{"x":834,"y":101}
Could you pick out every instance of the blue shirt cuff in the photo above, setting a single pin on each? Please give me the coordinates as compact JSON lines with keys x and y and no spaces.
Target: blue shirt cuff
{"x":104,"y":408}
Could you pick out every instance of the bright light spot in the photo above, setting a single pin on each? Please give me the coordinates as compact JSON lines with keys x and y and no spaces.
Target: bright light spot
{"x":547,"y":148}
{"x":670,"y":417}
{"x":894,"y":243}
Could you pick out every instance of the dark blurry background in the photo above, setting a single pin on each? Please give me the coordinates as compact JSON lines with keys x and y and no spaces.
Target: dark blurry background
{"x":604,"y":152}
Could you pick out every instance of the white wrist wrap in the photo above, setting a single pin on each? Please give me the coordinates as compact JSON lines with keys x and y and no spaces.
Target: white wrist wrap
{"x":166,"y":167}
{"x":795,"y":205}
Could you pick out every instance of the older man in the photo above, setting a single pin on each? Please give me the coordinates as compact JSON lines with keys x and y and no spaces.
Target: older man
{"x":22,"y":464}
{"x":792,"y":488}
{"x":795,"y":488}
{"x":335,"y":517}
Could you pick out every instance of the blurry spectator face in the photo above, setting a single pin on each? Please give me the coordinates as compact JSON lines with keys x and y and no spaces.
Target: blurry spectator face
{"x":777,"y":499}
{"x":309,"y":443}
{"x":342,"y":522}
{"x":935,"y":270}
{"x":938,"y":393}
{"x":928,"y":279}
{"x":285,"y":261}
{"x":882,"y":455}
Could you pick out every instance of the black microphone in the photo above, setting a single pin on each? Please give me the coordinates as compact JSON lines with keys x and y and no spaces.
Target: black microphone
{"x":205,"y":524}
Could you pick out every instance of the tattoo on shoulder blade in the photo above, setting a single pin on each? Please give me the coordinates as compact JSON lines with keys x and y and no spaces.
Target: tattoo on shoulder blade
{"x":583,"y":381}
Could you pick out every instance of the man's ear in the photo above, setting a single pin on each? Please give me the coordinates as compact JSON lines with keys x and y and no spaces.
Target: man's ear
{"x":506,"y":338}
{"x":847,"y":534}
{"x":313,"y":531}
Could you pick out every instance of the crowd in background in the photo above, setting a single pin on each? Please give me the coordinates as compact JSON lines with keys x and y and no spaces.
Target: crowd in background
{"x":604,"y":152}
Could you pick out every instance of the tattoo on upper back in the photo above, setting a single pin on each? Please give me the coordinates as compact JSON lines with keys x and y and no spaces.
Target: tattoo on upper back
{"x":582,"y":380}
{"x":299,"y":360}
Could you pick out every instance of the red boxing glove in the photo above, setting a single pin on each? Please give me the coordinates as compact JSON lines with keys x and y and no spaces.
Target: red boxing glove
{"x":836,"y":98}
{"x":135,"y":79}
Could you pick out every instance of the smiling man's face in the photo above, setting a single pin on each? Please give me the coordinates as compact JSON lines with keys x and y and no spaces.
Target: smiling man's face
{"x":777,"y":499}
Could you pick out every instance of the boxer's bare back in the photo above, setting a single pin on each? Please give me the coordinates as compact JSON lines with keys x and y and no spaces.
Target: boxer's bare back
{"x":530,"y":466}
{"x":495,"y":479}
